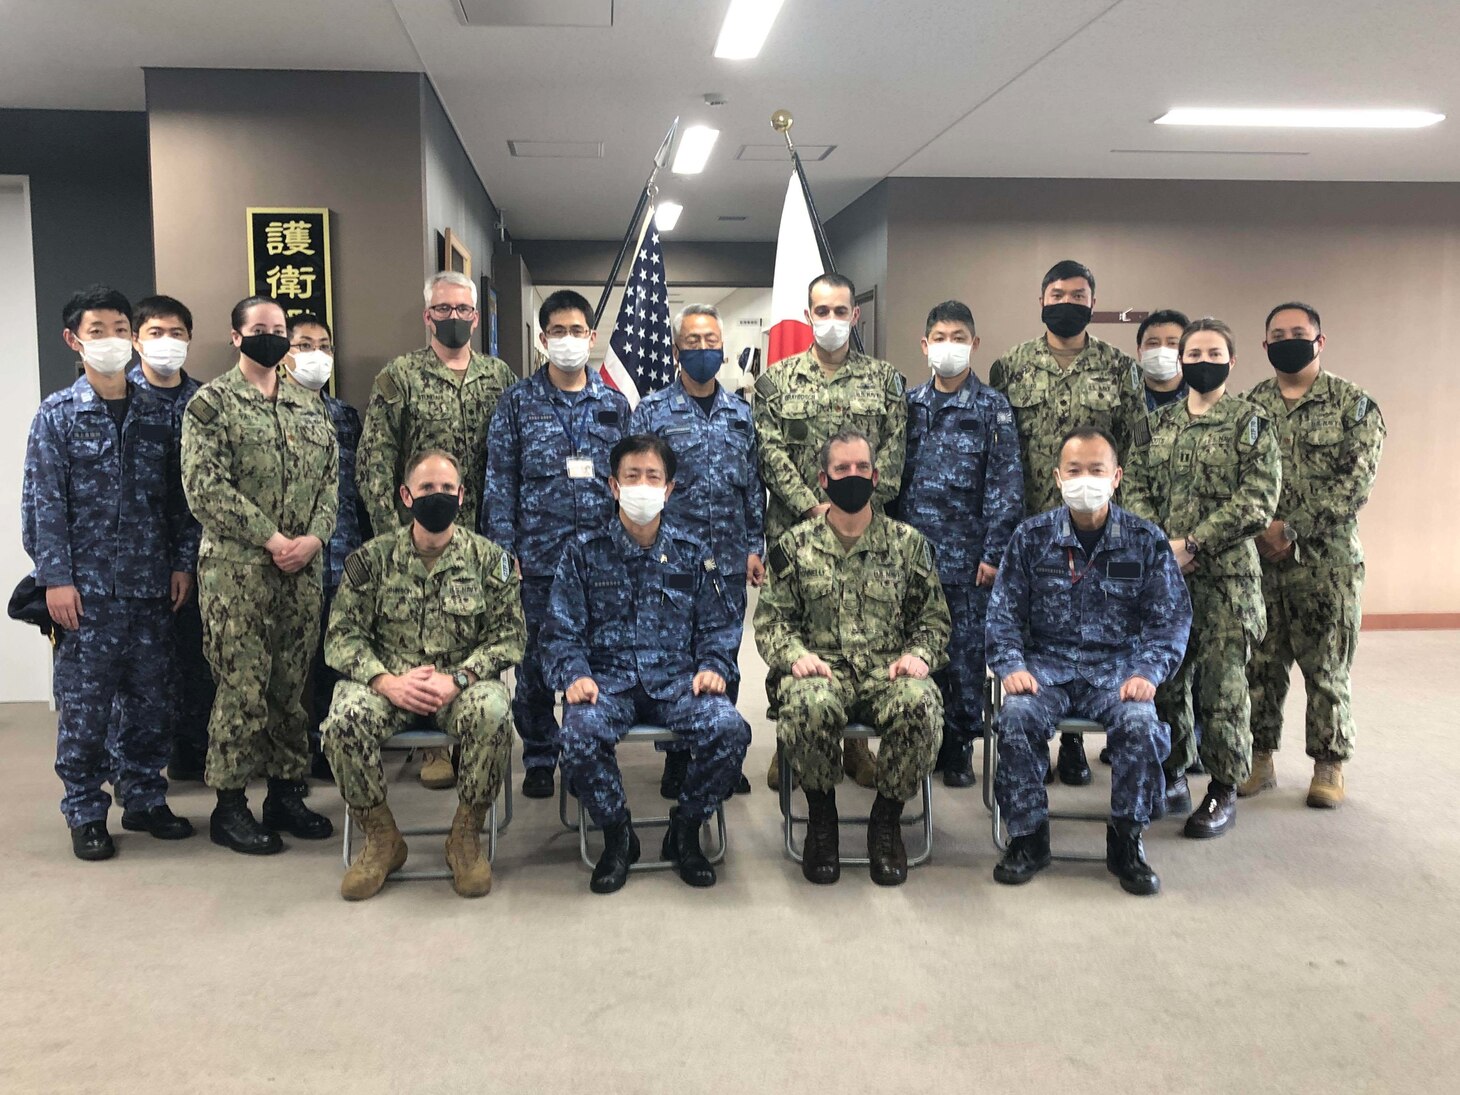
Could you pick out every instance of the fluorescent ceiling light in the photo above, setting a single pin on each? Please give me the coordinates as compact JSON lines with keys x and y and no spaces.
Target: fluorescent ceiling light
{"x":747,"y":22}
{"x":1299,"y":119}
{"x":666,"y":215}
{"x":694,"y":150}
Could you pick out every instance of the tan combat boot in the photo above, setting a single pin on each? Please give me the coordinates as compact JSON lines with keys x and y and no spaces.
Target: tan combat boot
{"x":1326,"y":790}
{"x":773,"y":773}
{"x":436,"y":770}
{"x":1263,"y":778}
{"x":858,"y":762}
{"x":384,"y":852}
{"x":471,"y":874}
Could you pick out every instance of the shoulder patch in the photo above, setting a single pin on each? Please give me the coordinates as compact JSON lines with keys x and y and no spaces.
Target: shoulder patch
{"x":357,"y":570}
{"x":1135,"y":376}
{"x":780,"y":561}
{"x":388,"y":388}
{"x":1255,"y":425}
{"x":926,"y":557}
{"x":504,"y":568}
{"x":997,"y":374}
{"x":1361,"y":408}
{"x":765,"y":387}
{"x":201,"y":407}
{"x":898,"y":383}
{"x":1141,"y":435}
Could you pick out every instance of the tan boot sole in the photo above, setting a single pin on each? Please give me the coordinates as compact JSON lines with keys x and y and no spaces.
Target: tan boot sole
{"x":397,"y":861}
{"x":1325,"y":799}
{"x":1249,"y":789}
{"x":438,"y":782}
{"x":471,"y":888}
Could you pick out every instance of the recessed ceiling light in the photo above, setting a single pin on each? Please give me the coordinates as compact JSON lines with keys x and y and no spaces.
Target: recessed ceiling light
{"x":694,"y":150}
{"x":666,"y":215}
{"x":747,"y":22}
{"x":1300,"y":119}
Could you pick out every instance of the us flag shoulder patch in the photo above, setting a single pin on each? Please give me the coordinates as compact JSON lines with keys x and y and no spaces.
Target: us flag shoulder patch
{"x":203,"y":410}
{"x":357,"y":570}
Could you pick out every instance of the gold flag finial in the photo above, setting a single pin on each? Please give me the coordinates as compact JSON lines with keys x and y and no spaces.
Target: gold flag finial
{"x":781,"y":121}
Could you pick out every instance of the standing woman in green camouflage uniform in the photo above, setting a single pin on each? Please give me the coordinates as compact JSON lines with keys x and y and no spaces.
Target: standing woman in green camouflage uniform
{"x":260,"y":468}
{"x":1206,"y":470}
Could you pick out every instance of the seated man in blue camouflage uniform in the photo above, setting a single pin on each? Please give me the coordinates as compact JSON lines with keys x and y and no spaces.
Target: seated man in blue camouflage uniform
{"x":640,"y":630}
{"x":1089,"y":614}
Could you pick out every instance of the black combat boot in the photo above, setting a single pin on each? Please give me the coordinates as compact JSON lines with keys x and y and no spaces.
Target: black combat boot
{"x":233,"y":826}
{"x":285,"y":812}
{"x":682,"y":848}
{"x":884,"y":843}
{"x":1074,"y":769}
{"x":676,"y":766}
{"x":1026,"y":856}
{"x":91,"y":841}
{"x":160,"y":821}
{"x":1216,"y":814}
{"x":538,"y":782}
{"x":820,"y":862}
{"x":958,"y":765}
{"x":1177,"y":799}
{"x":1125,"y":857}
{"x":620,"y":852}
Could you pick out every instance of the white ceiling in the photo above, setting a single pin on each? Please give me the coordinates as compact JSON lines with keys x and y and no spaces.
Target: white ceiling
{"x":901,"y":87}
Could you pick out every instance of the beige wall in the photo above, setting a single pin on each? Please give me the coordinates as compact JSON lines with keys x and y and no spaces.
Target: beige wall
{"x":222,"y":141}
{"x":1381,"y":262}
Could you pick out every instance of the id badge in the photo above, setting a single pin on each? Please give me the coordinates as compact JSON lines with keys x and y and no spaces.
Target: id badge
{"x":580,"y":467}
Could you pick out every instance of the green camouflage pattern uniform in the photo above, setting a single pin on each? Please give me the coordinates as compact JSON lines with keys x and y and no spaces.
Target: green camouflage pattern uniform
{"x":392,"y":615}
{"x":1102,"y":387}
{"x":859,"y":611}
{"x":1330,"y":441}
{"x":1214,"y":479}
{"x":253,"y":467}
{"x":418,"y":403}
{"x":797,"y":408}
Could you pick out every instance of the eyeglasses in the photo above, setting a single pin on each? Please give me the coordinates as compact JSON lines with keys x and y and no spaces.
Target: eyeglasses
{"x":567,"y":332}
{"x":445,"y":311}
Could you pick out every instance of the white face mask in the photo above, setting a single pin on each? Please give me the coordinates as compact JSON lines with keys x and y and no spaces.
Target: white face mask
{"x":165,"y":355}
{"x":641,"y":503}
{"x":1087,"y":493}
{"x":107,"y":356}
{"x":568,"y":353}
{"x":949,"y":358}
{"x":312,"y":368}
{"x":1161,"y":363}
{"x":831,"y":334}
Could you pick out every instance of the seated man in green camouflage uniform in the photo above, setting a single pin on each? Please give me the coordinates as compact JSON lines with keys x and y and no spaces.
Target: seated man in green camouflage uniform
{"x":854,"y":620}
{"x":424,"y":624}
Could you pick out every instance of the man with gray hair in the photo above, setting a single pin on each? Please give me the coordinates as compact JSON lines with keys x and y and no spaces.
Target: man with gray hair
{"x":439,"y":397}
{"x":719,"y":500}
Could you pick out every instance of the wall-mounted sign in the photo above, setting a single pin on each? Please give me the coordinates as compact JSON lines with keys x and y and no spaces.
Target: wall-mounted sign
{"x":289,"y":260}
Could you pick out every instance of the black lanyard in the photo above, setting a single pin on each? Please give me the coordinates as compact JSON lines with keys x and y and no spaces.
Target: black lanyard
{"x":573,"y":436}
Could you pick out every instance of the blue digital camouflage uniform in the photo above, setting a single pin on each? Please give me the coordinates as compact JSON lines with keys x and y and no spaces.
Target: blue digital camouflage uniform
{"x":1176,"y":395}
{"x":534,"y":509}
{"x":1082,"y":626}
{"x":642,"y":623}
{"x":963,"y":489}
{"x":193,"y":696}
{"x":718,"y":498}
{"x":102,"y":509}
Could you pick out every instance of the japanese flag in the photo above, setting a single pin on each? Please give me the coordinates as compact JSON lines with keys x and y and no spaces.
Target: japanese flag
{"x":798,"y":261}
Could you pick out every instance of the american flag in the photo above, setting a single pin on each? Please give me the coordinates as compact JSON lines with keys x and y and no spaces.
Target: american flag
{"x":639,"y":358}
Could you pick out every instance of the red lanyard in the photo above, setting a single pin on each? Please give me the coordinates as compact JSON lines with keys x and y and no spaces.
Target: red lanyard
{"x":1075,"y":578}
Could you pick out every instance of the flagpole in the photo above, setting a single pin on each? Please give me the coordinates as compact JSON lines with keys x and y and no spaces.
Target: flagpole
{"x":635,"y":233}
{"x":781,"y":122}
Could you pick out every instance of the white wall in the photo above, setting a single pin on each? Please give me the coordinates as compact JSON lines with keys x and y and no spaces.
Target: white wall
{"x":25,"y":667}
{"x":745,"y":319}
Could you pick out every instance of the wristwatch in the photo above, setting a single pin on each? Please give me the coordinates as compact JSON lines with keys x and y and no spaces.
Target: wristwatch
{"x":461,"y":680}
{"x":1290,"y":534}
{"x":1192,"y":547}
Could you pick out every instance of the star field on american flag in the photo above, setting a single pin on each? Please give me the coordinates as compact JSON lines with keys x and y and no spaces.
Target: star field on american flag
{"x":642,"y":340}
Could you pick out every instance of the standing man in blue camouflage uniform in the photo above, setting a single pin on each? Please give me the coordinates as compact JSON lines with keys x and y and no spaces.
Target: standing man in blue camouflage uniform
{"x":261,"y":468}
{"x":1158,"y":341}
{"x":1330,"y":432}
{"x":163,"y":329}
{"x":439,"y":397}
{"x":310,"y":363}
{"x":547,"y":482}
{"x":1063,"y":379}
{"x":718,"y":498}
{"x":104,"y":520}
{"x":1207,"y":471}
{"x":1089,"y":615}
{"x":640,"y":629}
{"x":799,"y":405}
{"x":962,"y":488}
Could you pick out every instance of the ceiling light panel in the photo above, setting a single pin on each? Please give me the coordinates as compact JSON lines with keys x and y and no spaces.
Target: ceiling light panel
{"x":694,"y":150}
{"x":743,"y":33}
{"x":666,"y":215}
{"x":1299,"y":118}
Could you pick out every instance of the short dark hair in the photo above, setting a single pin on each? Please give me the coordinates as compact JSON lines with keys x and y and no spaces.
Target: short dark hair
{"x":1089,"y":433}
{"x":845,"y":436}
{"x":308,"y":319}
{"x":636,"y":443}
{"x":1160,"y":319}
{"x":1299,"y":306}
{"x":430,"y":454}
{"x":950,"y":311}
{"x":1207,"y":323}
{"x":835,"y":281}
{"x":239,"y":316}
{"x":94,"y":298}
{"x":564,"y":300}
{"x":161,"y":307}
{"x":1063,"y":271}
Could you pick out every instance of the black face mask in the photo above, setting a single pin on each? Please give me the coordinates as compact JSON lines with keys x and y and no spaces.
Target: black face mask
{"x":1205,"y":376}
{"x":1065,"y":320}
{"x":267,"y":350}
{"x":851,"y":493}
{"x":453,"y":333}
{"x":435,"y":512}
{"x":1292,"y":355}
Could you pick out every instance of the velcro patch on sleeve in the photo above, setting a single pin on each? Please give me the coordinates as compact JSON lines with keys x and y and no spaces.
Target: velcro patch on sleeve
{"x":357,"y":570}
{"x":1142,"y":433}
{"x":765,"y":387}
{"x":780,"y":561}
{"x":201,"y":407}
{"x":387,"y":387}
